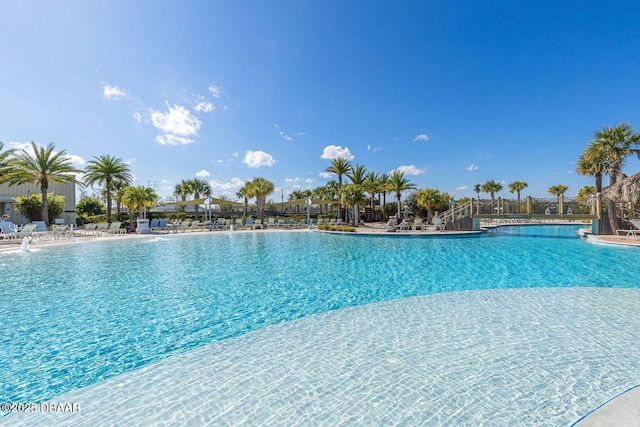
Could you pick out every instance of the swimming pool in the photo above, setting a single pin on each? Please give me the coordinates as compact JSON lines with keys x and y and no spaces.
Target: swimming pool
{"x":80,"y":314}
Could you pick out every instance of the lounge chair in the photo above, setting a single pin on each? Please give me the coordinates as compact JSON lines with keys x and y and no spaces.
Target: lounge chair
{"x":257,"y":224}
{"x":27,"y":231}
{"x":271,"y":223}
{"x":624,"y":234}
{"x":59,"y":231}
{"x":102,"y":227}
{"x":238,"y":224}
{"x":160,"y":226}
{"x":417,"y":223}
{"x":194,"y":226}
{"x":89,"y":229}
{"x":208,"y":224}
{"x":249,"y":223}
{"x":391,"y":224}
{"x":115,"y":228}
{"x":437,"y":223}
{"x":405,"y":224}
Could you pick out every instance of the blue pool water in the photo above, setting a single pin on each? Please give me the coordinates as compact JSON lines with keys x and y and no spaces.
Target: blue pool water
{"x":76,"y":315}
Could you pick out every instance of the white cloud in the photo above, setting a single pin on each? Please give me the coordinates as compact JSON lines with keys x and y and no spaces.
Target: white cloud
{"x":290,"y":180}
{"x":309,"y":180}
{"x":216,"y":91}
{"x":285,"y":136}
{"x":325,"y":175}
{"x":130,"y":161}
{"x":331,"y":152}
{"x":169,"y":139}
{"x":178,"y":120}
{"x":225,"y":186}
{"x":235,"y":154}
{"x":421,"y":137}
{"x":204,"y":107}
{"x":472,"y":167}
{"x":112,"y":92}
{"x":203,"y":174}
{"x":372,"y":148}
{"x":461,"y":188}
{"x":74,"y":159}
{"x":256,"y":159}
{"x":137,"y":117}
{"x":275,"y":125}
{"x":411,"y":170}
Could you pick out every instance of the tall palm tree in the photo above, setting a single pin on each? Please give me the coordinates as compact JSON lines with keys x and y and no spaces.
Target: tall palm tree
{"x":199,"y":188}
{"x":242,"y":193}
{"x":118,"y":188}
{"x":5,"y":163}
{"x":340,"y":166}
{"x":517,"y":187}
{"x":384,"y":184}
{"x":477,"y":188}
{"x":136,"y":199}
{"x":616,"y":144}
{"x":260,"y":188}
{"x":353,"y":195}
{"x":43,"y":167}
{"x":372,"y":186}
{"x":593,"y":162}
{"x":398,"y":183}
{"x":558,"y":191}
{"x":492,"y":187}
{"x":357,"y":175}
{"x":182,"y":190}
{"x":107,"y":169}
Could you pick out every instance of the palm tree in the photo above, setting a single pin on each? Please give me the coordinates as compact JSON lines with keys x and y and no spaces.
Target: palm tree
{"x":242,"y":193}
{"x":383,"y":185}
{"x":118,"y":187}
{"x":593,"y":162}
{"x":477,"y":189}
{"x":5,"y":163}
{"x":492,"y":187}
{"x":138,"y":198}
{"x":199,"y":187}
{"x":43,"y":167}
{"x":398,"y":183}
{"x":340,"y":166}
{"x":372,"y":186}
{"x":615,"y":144}
{"x":259,"y":188}
{"x":353,"y":195}
{"x":516,"y":187}
{"x":429,"y":199}
{"x":182,"y":189}
{"x":558,"y":190}
{"x":107,"y":169}
{"x":357,"y":175}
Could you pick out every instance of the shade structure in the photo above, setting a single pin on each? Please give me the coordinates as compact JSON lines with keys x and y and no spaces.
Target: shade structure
{"x":203,"y":200}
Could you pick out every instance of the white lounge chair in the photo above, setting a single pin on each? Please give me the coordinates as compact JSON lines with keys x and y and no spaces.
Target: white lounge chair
{"x":624,"y":234}
{"x":417,"y":223}
{"x":437,"y":223}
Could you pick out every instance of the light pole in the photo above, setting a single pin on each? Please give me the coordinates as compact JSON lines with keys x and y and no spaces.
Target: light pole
{"x":282,"y":198}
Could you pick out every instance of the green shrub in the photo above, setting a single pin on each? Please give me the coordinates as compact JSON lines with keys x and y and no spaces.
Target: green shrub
{"x":342,"y":228}
{"x":30,"y":205}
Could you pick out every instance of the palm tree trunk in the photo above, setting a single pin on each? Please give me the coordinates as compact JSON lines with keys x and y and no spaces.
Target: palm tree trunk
{"x":45,"y":205}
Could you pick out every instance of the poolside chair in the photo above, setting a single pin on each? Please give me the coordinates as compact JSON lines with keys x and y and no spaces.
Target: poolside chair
{"x":417,"y":223}
{"x":115,"y":228}
{"x":437,"y":223}
{"x":194,"y":226}
{"x":238,"y":224}
{"x":249,"y":223}
{"x":101,"y":228}
{"x":391,"y":224}
{"x":27,"y":231}
{"x":405,"y":224}
{"x":59,"y":231}
{"x":624,"y":234}
{"x":272,"y":222}
{"x":89,"y":229}
{"x":208,"y":224}
{"x":257,"y":224}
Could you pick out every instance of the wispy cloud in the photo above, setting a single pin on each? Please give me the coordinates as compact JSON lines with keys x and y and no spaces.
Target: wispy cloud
{"x":411,"y":170}
{"x":331,"y":152}
{"x":285,"y":136}
{"x":204,"y":107}
{"x":461,"y":188}
{"x":203,"y":173}
{"x":216,"y":91}
{"x":472,"y":167}
{"x":325,"y":175}
{"x":113,"y":92}
{"x":291,"y":180}
{"x":137,"y":117}
{"x":421,"y":137}
{"x":169,"y":139}
{"x":225,"y":186}
{"x":373,"y":149}
{"x":257,"y":159}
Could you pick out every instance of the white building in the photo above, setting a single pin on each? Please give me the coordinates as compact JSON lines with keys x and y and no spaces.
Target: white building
{"x":10,"y":192}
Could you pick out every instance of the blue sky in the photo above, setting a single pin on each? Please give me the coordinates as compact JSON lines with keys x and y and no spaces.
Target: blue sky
{"x":452,"y":92}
